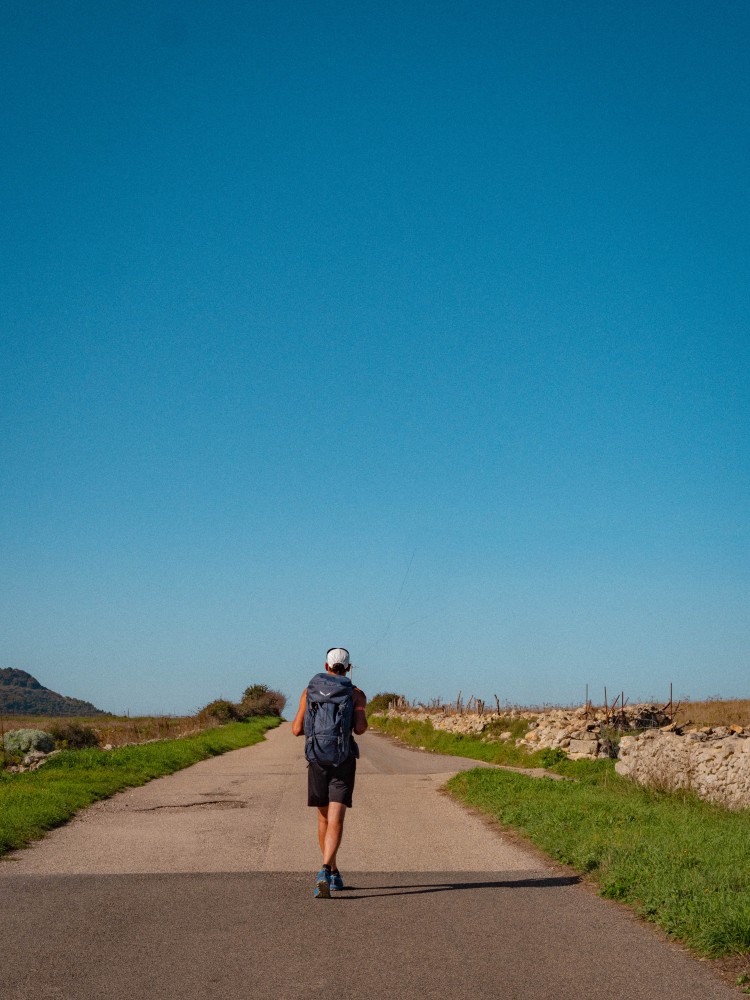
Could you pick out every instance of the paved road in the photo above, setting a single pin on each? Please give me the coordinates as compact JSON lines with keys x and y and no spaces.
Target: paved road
{"x":199,"y":885}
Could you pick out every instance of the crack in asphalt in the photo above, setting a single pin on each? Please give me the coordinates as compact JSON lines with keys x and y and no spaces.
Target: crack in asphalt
{"x":210,"y":803}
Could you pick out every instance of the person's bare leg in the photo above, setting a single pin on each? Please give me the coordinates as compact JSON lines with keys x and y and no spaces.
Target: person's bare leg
{"x":322,"y":827}
{"x":334,"y":832}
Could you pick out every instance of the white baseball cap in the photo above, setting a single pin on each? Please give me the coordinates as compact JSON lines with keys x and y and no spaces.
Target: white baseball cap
{"x":337,"y":655}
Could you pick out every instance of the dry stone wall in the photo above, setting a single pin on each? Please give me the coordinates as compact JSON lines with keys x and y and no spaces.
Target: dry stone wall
{"x":582,"y":733}
{"x":465,"y":723}
{"x":712,"y":762}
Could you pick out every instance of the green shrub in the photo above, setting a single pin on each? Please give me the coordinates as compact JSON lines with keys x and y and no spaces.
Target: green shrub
{"x":551,"y":756}
{"x":255,"y":691}
{"x":21,"y":741}
{"x":74,"y":735}
{"x":259,"y":700}
{"x":380,"y":702}
{"x":219,"y":710}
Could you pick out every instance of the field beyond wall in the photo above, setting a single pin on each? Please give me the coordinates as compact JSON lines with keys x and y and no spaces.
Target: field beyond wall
{"x":714,"y":712}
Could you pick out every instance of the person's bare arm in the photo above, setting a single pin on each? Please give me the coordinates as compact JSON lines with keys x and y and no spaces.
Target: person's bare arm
{"x":298,"y":725}
{"x":360,"y":719}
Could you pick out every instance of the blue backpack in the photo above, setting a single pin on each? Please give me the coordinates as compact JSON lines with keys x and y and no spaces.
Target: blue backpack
{"x":328,"y":720}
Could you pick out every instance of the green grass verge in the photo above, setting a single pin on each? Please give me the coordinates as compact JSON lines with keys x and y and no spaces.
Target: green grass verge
{"x":36,"y":801}
{"x":423,"y":734}
{"x":678,"y":861}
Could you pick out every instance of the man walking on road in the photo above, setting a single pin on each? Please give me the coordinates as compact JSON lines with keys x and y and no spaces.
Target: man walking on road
{"x":330,"y":710}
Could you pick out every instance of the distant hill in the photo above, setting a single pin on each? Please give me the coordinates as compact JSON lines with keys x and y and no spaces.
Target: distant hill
{"x":22,"y":694}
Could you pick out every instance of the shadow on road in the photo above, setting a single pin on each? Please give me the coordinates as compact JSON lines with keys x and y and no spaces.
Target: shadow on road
{"x":366,"y":892}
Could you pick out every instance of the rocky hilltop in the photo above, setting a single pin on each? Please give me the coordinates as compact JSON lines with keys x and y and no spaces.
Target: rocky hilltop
{"x":22,"y":694}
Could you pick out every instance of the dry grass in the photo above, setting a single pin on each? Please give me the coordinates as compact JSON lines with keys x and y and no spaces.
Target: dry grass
{"x":118,"y":730}
{"x":712,"y":712}
{"x":715,"y":712}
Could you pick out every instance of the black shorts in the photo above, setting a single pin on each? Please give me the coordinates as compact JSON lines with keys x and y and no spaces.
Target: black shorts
{"x":331,"y":784}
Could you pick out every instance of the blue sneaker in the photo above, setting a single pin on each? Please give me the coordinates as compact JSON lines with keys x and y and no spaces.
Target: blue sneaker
{"x":323,"y":885}
{"x":337,"y":883}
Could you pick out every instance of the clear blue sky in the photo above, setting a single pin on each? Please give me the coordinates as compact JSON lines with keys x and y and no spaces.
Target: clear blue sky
{"x":420,"y":328}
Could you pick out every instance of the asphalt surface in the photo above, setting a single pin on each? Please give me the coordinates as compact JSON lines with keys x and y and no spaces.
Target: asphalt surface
{"x":199,"y":885}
